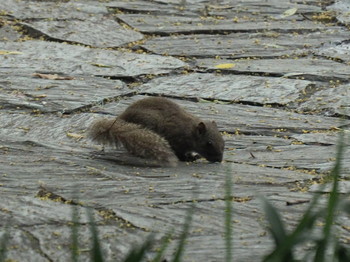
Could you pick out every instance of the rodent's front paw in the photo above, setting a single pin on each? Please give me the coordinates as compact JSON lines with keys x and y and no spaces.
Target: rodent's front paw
{"x":191,"y":156}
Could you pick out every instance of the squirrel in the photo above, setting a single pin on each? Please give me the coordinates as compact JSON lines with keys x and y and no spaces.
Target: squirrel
{"x":157,"y":128}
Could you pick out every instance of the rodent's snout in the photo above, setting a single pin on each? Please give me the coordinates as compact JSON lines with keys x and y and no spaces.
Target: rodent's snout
{"x":215,"y":158}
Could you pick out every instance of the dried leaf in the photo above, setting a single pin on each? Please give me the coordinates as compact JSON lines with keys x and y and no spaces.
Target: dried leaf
{"x":4,"y":52}
{"x":101,"y":65}
{"x":225,"y":66}
{"x":53,"y":76}
{"x":289,"y":12}
{"x":75,"y":136}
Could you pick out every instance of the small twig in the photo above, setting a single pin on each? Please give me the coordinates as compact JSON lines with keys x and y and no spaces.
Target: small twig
{"x":292,"y":203}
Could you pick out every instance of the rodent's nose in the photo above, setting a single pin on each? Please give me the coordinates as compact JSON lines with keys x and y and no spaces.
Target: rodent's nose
{"x":215,"y":159}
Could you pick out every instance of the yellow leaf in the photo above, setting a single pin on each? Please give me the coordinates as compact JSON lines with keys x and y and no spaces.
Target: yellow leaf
{"x":53,"y":76}
{"x":4,"y":52}
{"x":225,"y":66}
{"x":289,"y":12}
{"x":101,"y":65}
{"x":74,"y":136}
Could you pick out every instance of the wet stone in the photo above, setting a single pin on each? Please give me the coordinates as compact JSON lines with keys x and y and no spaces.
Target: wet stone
{"x":61,"y":10}
{"x":238,"y":88}
{"x":342,"y":9}
{"x":331,"y":101}
{"x":7,"y":33}
{"x":51,"y":57}
{"x":240,"y":45}
{"x":269,"y":73}
{"x":315,"y":69}
{"x":339,"y":50}
{"x":97,"y":31}
{"x":51,"y":95}
{"x":165,"y":25}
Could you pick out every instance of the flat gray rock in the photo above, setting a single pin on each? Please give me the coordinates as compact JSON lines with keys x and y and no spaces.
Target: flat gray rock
{"x":237,"y":88}
{"x":301,"y":68}
{"x":165,"y":25}
{"x":50,"y":95}
{"x":62,"y":10}
{"x":339,"y":50}
{"x":342,"y":9}
{"x":97,"y":31}
{"x":78,"y":60}
{"x":270,"y":73}
{"x":293,"y":157}
{"x":240,"y":10}
{"x":240,"y":45}
{"x":7,"y":33}
{"x":344,"y":188}
{"x":331,"y":101}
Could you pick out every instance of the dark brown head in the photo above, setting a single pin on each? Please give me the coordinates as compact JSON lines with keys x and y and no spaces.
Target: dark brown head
{"x":209,"y":142}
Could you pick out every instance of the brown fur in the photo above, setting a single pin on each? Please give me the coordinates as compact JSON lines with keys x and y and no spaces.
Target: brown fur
{"x":157,"y":128}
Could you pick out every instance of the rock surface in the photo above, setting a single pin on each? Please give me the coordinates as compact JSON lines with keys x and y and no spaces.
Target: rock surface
{"x":274,"y":75}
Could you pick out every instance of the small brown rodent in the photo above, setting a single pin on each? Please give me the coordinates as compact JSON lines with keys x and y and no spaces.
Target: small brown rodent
{"x":159,"y":129}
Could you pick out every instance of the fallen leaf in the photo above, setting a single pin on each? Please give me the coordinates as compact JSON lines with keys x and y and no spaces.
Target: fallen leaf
{"x":225,"y":66}
{"x":101,"y":65}
{"x":53,"y":76}
{"x":4,"y":52}
{"x":289,"y":12}
{"x":75,"y":136}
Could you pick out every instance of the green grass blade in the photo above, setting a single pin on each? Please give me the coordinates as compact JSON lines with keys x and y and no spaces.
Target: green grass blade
{"x":332,"y":203}
{"x":184,"y":234}
{"x":276,"y":224}
{"x":74,"y":234}
{"x":3,"y":243}
{"x":277,"y":229}
{"x":164,"y":246}
{"x":96,"y":252}
{"x":137,"y":254}
{"x":342,"y":253}
{"x":228,"y":217}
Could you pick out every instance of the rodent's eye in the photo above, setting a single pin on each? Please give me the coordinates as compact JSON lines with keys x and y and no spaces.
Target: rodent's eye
{"x":209,"y":144}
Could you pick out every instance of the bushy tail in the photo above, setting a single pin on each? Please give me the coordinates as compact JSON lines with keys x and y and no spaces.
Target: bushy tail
{"x":138,"y":140}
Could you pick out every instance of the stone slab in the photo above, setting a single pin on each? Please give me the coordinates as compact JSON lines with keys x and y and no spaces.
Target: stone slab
{"x":313,"y":158}
{"x":62,"y":10}
{"x":339,"y":50}
{"x":230,"y":88}
{"x":342,"y":9}
{"x":97,"y":31}
{"x":241,"y":45}
{"x":51,"y":57}
{"x":313,"y":69}
{"x":331,"y":101}
{"x":239,"y":9}
{"x":165,"y":25}
{"x":7,"y":33}
{"x":24,"y":91}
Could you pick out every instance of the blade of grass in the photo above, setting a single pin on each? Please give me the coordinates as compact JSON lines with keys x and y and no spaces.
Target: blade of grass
{"x":184,"y":234}
{"x":164,"y":246}
{"x":228,"y":217}
{"x":3,"y":243}
{"x":96,"y":252}
{"x":276,"y":224}
{"x":320,"y":255}
{"x":138,"y":253}
{"x":74,"y":234}
{"x":278,"y":232}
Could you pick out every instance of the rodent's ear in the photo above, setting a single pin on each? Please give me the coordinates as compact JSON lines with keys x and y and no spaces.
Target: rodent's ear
{"x":201,"y":128}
